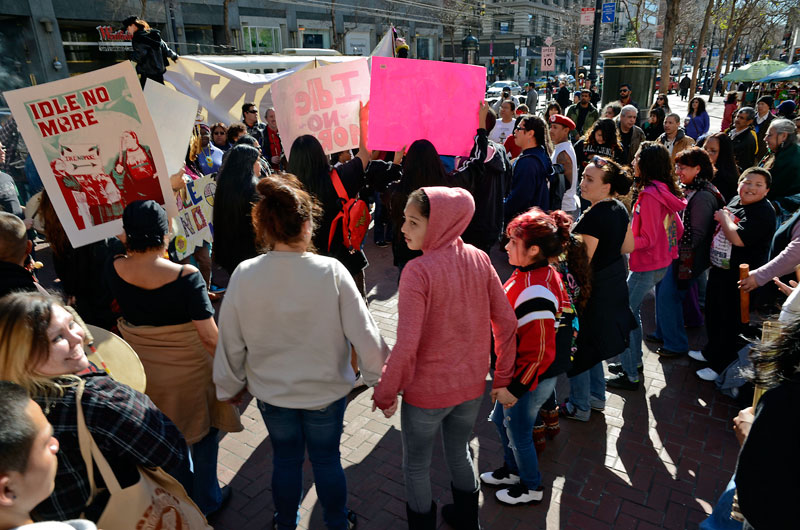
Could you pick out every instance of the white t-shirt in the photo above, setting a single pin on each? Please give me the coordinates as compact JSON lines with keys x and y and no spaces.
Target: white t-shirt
{"x":570,"y":202}
{"x":502,"y":131}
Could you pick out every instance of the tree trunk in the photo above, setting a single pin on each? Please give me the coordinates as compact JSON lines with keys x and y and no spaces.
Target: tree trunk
{"x":144,"y":11}
{"x":722,"y":52}
{"x":700,"y":44}
{"x":335,"y":39}
{"x":670,"y":22}
{"x":226,"y":21}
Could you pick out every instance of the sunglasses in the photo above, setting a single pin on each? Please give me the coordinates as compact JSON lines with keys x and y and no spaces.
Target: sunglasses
{"x":599,"y":161}
{"x":220,"y":133}
{"x":251,"y":111}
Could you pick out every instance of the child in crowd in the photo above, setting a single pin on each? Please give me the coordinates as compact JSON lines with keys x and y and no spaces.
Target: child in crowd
{"x":538,"y":296}
{"x":440,"y":361}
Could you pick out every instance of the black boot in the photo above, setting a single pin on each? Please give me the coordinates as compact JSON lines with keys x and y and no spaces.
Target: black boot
{"x":463,"y":513}
{"x":421,"y":521}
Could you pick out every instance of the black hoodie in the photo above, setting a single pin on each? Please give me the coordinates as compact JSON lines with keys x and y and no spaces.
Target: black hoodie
{"x":150,"y":53}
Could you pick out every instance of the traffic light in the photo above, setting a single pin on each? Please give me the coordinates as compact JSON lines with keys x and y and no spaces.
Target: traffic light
{"x":694,"y":43}
{"x":585,"y":47}
{"x":483,"y":8}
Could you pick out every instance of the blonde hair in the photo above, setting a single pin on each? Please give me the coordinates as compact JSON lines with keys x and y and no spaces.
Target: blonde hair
{"x":24,"y":343}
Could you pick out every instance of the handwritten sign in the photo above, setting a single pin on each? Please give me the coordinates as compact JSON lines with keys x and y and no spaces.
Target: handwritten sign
{"x":324,"y":103}
{"x":194,"y":224}
{"x":413,"y":99}
{"x":95,"y":146}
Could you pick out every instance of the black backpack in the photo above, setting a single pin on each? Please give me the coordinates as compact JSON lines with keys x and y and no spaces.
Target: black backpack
{"x":557,"y":184}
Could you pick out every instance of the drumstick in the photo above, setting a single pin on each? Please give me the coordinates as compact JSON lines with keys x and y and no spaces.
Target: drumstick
{"x":744,"y":298}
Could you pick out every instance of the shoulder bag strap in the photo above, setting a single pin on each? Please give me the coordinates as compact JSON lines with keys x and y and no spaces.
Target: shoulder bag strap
{"x":342,"y":193}
{"x":338,"y":186}
{"x":85,"y":443}
{"x":88,"y":445}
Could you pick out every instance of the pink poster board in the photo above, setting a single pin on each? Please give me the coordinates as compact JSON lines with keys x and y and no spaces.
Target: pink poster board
{"x":322,"y":102}
{"x":413,"y":99}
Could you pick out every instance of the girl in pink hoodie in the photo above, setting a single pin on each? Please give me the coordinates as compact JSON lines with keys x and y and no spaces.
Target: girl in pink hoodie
{"x":447,"y":298}
{"x":657,"y":228}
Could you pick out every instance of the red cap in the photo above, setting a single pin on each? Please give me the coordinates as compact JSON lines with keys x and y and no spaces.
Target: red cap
{"x":562,"y":120}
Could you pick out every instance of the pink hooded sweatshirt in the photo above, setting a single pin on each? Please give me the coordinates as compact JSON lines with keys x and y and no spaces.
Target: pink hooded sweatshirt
{"x":448,"y":296}
{"x":656,"y":227}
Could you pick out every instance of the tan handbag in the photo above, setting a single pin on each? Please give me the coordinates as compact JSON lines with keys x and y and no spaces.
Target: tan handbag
{"x":157,"y":501}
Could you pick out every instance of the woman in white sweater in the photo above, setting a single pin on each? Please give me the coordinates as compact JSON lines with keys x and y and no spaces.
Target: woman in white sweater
{"x":286,"y":327}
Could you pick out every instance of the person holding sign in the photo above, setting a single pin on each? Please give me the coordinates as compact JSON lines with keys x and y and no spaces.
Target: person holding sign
{"x":743,"y":235}
{"x":310,"y":164}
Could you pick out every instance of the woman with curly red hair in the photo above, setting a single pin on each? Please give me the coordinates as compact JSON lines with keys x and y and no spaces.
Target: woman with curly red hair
{"x":538,"y":297}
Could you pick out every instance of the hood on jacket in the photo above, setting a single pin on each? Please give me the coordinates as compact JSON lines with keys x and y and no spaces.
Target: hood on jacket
{"x":153,"y":35}
{"x":451,"y":212}
{"x":659,"y":191}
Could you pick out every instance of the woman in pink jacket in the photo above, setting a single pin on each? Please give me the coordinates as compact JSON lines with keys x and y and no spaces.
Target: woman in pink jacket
{"x":447,"y":298}
{"x":657,"y":228}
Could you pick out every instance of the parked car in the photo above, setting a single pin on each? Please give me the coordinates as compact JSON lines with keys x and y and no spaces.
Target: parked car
{"x":673,"y":85}
{"x":496,"y":88}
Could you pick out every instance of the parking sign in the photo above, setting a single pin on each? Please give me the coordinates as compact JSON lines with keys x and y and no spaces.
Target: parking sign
{"x":548,"y":58}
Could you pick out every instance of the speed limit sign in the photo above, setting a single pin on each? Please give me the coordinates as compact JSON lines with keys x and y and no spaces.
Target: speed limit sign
{"x":548,"y":58}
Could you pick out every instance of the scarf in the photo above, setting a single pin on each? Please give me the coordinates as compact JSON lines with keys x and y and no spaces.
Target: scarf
{"x":685,"y":251}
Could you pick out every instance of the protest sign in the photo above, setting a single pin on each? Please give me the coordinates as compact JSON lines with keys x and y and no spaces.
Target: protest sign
{"x":324,"y":103}
{"x":194,"y":223}
{"x":173,"y":116}
{"x":413,"y":99}
{"x":95,"y":147}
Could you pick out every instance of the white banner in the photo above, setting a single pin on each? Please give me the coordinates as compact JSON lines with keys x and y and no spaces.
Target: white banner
{"x":173,"y":115}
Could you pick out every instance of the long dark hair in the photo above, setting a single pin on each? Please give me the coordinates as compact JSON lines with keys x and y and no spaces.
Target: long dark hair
{"x":541,"y":132}
{"x":310,"y":164}
{"x":726,"y":162}
{"x":234,"y":240}
{"x":701,"y":107}
{"x":552,"y":105}
{"x":422,"y":166}
{"x":655,"y":164}
{"x":610,"y":134}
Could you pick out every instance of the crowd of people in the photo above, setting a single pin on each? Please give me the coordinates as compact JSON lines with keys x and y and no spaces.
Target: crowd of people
{"x":593,"y":212}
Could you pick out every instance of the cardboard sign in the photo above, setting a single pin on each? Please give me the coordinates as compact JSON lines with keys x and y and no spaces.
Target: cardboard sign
{"x":173,"y":115}
{"x":413,"y":99}
{"x":324,"y":103}
{"x":194,"y":224}
{"x":95,"y":147}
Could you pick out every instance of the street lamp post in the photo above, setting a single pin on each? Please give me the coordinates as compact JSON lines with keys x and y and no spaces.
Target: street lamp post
{"x":471,"y":49}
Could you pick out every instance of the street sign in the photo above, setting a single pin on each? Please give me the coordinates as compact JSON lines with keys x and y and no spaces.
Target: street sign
{"x":609,"y":9}
{"x":548,"y":41}
{"x":704,"y":54}
{"x":548,"y":59}
{"x":587,"y":16}
{"x":715,"y":52}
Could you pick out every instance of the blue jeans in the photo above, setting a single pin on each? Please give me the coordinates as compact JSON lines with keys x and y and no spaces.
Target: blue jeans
{"x":418,"y":431}
{"x":515,"y":426}
{"x":720,"y":518}
{"x":639,"y":284}
{"x":207,"y":494}
{"x":669,"y":312}
{"x":591,"y":382}
{"x":291,"y":432}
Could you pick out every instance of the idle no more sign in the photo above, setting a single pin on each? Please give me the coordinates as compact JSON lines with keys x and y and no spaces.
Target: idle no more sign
{"x":548,"y":58}
{"x":322,"y":102}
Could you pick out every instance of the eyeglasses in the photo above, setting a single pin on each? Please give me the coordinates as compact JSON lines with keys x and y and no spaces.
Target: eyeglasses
{"x":599,"y":161}
{"x":251,"y":111}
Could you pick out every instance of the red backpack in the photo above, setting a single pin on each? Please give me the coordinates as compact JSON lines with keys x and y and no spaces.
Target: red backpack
{"x":354,"y":217}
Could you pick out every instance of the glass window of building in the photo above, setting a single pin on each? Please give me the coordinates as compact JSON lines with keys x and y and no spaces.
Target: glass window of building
{"x":262,"y":40}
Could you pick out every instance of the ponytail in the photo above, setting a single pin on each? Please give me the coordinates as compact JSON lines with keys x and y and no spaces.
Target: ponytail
{"x":550,"y":232}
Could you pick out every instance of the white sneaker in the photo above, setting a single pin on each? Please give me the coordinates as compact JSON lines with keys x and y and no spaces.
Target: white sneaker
{"x":500,"y":477}
{"x":697,"y":355}
{"x":707,"y":374}
{"x":520,"y":494}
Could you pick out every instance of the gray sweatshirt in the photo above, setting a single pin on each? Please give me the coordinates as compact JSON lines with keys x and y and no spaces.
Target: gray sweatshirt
{"x":285,"y":330}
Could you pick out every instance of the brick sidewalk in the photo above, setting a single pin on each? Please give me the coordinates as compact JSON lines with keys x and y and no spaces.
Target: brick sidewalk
{"x":656,"y":458}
